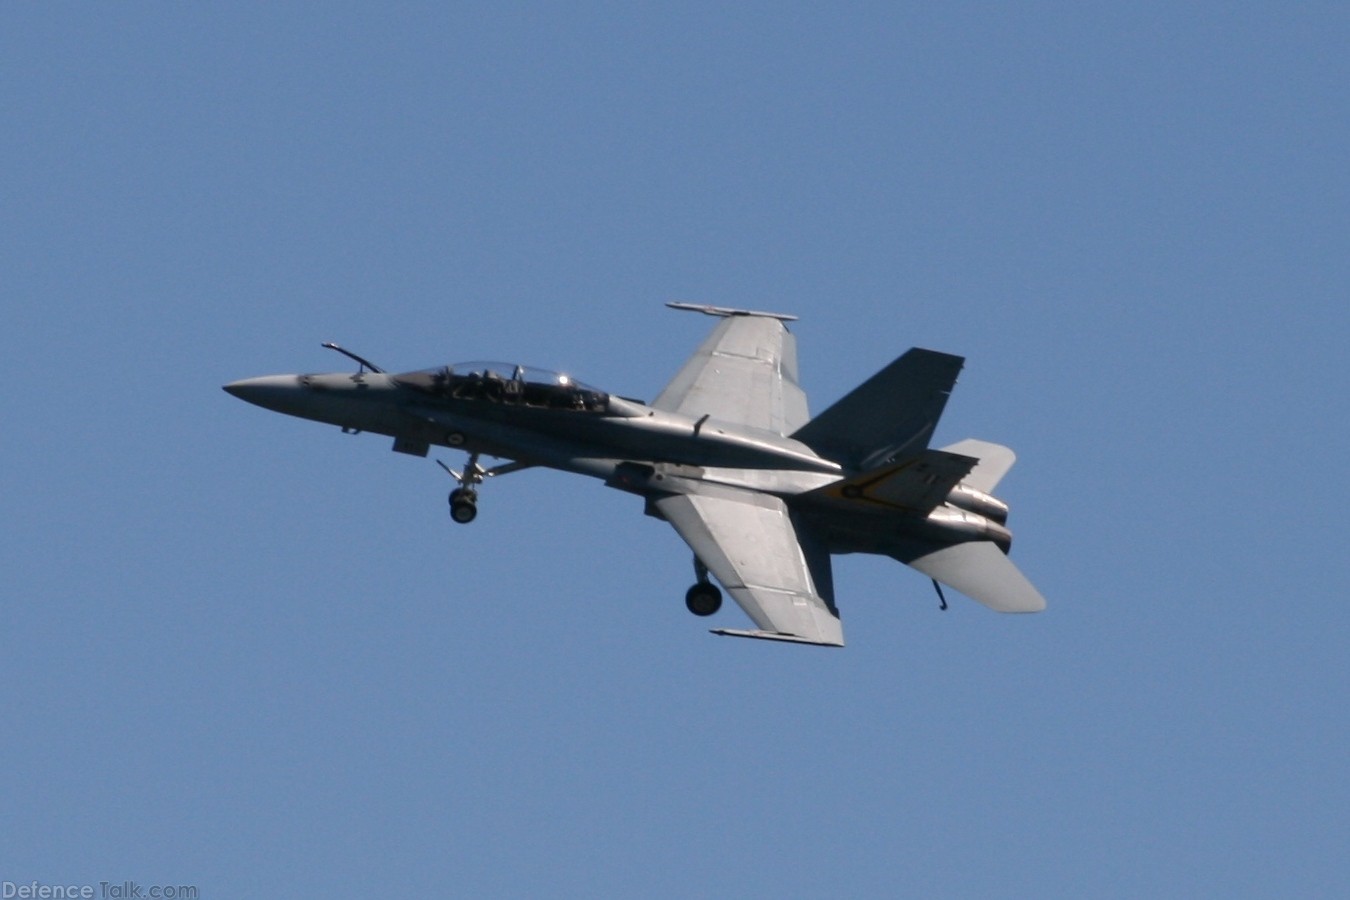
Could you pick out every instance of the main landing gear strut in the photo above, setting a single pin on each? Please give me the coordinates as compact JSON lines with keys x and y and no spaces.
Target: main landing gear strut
{"x":464,"y":499}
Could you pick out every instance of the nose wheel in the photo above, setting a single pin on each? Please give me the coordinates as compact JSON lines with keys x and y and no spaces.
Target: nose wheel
{"x":464,"y":499}
{"x":463,"y":505}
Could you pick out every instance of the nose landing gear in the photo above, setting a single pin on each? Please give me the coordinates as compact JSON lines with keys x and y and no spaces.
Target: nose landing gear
{"x":464,"y":499}
{"x":463,"y":505}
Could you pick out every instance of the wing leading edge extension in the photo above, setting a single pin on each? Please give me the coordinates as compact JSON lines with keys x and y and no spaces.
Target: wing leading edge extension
{"x":775,"y":571}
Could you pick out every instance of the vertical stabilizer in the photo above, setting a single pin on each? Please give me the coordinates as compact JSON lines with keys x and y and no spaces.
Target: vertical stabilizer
{"x":893,"y":412}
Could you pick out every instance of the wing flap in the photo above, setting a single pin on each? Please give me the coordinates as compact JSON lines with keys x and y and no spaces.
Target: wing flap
{"x":751,"y":544}
{"x":983,"y":573}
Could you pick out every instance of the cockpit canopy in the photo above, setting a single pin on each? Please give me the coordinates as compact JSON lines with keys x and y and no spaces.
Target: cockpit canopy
{"x":508,"y":383}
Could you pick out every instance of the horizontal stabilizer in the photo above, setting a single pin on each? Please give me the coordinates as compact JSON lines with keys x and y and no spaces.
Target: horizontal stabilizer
{"x":995,"y":461}
{"x":893,"y":412}
{"x":917,"y":483}
{"x":982,"y":572}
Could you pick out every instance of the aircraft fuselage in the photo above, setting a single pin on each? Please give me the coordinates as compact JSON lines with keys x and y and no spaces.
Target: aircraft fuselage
{"x":408,"y":408}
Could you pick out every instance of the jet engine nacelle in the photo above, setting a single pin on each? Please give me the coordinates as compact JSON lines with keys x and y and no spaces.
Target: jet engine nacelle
{"x":966,"y":497}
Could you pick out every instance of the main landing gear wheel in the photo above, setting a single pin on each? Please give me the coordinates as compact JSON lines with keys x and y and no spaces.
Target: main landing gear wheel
{"x":463,"y":505}
{"x":703,"y":599}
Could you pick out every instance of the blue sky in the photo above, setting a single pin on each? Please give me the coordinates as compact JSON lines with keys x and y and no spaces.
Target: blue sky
{"x":252,"y":654}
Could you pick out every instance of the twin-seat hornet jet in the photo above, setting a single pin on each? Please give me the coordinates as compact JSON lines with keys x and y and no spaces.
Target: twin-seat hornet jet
{"x":727,"y":454}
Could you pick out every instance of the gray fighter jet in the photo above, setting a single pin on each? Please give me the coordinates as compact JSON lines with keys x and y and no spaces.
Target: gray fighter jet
{"x":727,"y":454}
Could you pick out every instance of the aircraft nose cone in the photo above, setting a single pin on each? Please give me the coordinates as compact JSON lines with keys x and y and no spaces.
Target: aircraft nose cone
{"x":277,"y":392}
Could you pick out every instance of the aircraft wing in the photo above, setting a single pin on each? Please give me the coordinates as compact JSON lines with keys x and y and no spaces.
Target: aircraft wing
{"x":982,"y":572}
{"x":745,"y":373}
{"x":779,"y":574}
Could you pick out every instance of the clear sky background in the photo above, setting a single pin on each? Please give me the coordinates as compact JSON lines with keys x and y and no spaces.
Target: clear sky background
{"x":251,"y":654}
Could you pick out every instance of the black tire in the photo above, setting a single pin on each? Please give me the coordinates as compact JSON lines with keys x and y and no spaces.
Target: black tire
{"x":703,"y":599}
{"x":463,"y":511}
